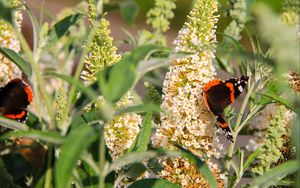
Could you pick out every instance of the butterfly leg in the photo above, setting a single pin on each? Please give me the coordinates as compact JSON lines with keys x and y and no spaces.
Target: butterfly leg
{"x":225,"y":127}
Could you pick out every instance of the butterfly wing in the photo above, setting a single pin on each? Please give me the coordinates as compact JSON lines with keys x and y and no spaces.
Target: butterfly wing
{"x":14,"y":99}
{"x":238,"y":85}
{"x":217,"y":98}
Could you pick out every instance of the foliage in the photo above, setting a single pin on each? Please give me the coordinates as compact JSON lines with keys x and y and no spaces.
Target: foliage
{"x":91,"y":125}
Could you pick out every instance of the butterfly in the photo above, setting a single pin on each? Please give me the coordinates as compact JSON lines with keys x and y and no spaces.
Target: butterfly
{"x":218,"y":95}
{"x":14,"y":99}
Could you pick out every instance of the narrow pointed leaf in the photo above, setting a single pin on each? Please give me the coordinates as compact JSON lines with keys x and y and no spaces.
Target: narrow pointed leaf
{"x":12,"y":124}
{"x":154,"y":183}
{"x":73,"y":147}
{"x":276,"y":174}
{"x":86,"y":118}
{"x":17,"y":59}
{"x":47,"y":136}
{"x":61,"y":27}
{"x":251,"y":158}
{"x":144,"y":135}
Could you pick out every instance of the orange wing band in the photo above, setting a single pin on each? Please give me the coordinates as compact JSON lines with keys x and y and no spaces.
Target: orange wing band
{"x":223,"y":125}
{"x":211,"y":84}
{"x":15,"y":116}
{"x":29,"y":93}
{"x":230,"y":86}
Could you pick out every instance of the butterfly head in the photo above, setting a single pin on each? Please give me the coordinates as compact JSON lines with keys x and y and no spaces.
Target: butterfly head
{"x":240,"y":84}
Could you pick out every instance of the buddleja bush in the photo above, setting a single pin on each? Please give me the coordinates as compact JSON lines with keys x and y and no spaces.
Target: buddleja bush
{"x":89,"y":127}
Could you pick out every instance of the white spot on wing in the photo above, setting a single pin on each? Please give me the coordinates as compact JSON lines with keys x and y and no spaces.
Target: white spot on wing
{"x":240,"y":88}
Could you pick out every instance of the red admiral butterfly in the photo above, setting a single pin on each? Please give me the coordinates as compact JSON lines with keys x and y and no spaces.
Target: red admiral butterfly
{"x":14,"y":98}
{"x":218,"y":95}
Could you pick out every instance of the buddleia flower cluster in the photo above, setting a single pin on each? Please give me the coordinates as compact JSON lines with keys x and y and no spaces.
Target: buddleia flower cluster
{"x":238,"y":15}
{"x":8,"y":39}
{"x":187,"y":120}
{"x":102,"y":52}
{"x":294,"y":80}
{"x":276,"y":137}
{"x":121,"y":131}
{"x":158,"y":17}
{"x":291,"y":11}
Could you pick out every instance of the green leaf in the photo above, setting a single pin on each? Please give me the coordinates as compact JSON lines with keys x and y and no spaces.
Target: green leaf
{"x":133,"y":172}
{"x":78,"y":84}
{"x":155,"y":63}
{"x":279,"y":99}
{"x":12,"y":124}
{"x":17,"y":59}
{"x":144,"y":134}
{"x":276,"y":174}
{"x":129,"y":10}
{"x":142,"y":140}
{"x":154,"y":183}
{"x":6,"y":12}
{"x":202,"y":167}
{"x":74,"y":145}
{"x":131,"y":158}
{"x":120,"y":78}
{"x":47,"y":136}
{"x":140,"y":108}
{"x":61,"y":27}
{"x":250,"y":159}
{"x":86,"y":118}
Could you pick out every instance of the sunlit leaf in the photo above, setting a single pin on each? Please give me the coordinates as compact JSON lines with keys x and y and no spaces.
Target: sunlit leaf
{"x":142,"y":140}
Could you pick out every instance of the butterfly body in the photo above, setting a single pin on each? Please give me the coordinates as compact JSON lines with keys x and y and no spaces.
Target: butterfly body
{"x":14,"y":99}
{"x":218,"y":95}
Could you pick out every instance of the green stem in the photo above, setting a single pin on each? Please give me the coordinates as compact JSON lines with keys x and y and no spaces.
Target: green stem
{"x":48,"y":175}
{"x":33,"y":59}
{"x":235,"y":132}
{"x":101,"y":159}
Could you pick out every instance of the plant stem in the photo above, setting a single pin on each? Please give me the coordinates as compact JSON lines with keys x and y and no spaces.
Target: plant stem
{"x":235,"y":132}
{"x":33,"y":58}
{"x":101,"y":159}
{"x":48,"y":175}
